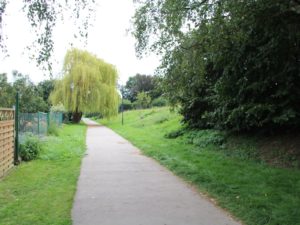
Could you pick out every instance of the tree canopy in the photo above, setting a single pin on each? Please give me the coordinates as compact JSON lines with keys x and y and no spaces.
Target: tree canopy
{"x":227,"y":64}
{"x":88,"y":85}
{"x":30,"y":95}
{"x":141,"y":83}
{"x":136,"y":84}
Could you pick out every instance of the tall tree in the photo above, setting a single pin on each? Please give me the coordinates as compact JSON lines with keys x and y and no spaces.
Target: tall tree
{"x":6,"y":92}
{"x":228,"y":64}
{"x":30,"y":100}
{"x":45,"y":88}
{"x":139,"y":83}
{"x":88,"y":85}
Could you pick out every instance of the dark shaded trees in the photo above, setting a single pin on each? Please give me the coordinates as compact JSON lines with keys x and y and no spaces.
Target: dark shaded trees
{"x":142,"y":83}
{"x":136,"y":84}
{"x":227,"y":64}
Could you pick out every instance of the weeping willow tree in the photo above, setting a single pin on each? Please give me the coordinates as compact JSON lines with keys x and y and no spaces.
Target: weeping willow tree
{"x":88,"y":85}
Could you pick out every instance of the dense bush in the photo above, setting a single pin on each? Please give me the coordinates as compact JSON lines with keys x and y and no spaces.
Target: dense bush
{"x":174,"y":134}
{"x":159,"y":102}
{"x":32,"y":98}
{"x":127,"y":105}
{"x":203,"y":138}
{"x":31,"y":148}
{"x":143,"y":101}
{"x":142,"y":83}
{"x":237,"y":66}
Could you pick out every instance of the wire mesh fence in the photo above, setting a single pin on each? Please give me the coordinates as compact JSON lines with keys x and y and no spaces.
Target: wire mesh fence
{"x":56,"y":117}
{"x":37,"y":123}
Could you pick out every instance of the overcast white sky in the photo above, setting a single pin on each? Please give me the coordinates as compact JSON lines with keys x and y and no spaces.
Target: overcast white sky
{"x":107,"y":39}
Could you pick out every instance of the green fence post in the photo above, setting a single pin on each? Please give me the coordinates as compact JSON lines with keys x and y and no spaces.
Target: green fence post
{"x":16,"y":153}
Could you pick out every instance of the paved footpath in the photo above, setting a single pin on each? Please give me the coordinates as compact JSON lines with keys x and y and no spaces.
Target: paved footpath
{"x":120,"y":186}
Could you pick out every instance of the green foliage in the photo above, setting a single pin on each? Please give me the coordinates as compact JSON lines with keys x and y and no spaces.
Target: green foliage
{"x":6,"y":90}
{"x":31,"y":148}
{"x":174,"y":134}
{"x":53,"y":129}
{"x":200,"y":138}
{"x":204,"y":138}
{"x":159,"y":102}
{"x":88,"y":85}
{"x":228,"y":64}
{"x":136,"y":84}
{"x":31,"y":95}
{"x":143,"y":100}
{"x":45,"y":88}
{"x":142,"y":83}
{"x":127,"y":105}
{"x":58,"y":108}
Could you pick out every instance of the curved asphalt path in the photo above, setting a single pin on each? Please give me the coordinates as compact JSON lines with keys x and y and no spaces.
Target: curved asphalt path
{"x":120,"y":186}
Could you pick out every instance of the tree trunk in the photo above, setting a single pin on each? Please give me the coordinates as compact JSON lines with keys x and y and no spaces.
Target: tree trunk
{"x":76,"y":117}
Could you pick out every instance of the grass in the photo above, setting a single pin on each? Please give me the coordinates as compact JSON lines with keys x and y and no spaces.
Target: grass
{"x":41,"y":191}
{"x":253,"y":191}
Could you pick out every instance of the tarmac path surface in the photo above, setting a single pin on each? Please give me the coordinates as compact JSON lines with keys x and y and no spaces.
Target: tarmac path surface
{"x":120,"y":186}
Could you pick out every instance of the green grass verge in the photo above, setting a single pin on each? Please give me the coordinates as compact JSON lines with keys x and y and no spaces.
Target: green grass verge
{"x":41,"y":191}
{"x":251,"y":190}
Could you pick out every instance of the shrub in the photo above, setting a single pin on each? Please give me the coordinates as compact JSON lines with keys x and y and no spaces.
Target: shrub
{"x":31,"y":148}
{"x":159,"y":102}
{"x":174,"y":134}
{"x":127,"y":105}
{"x":143,"y":100}
{"x":203,"y":138}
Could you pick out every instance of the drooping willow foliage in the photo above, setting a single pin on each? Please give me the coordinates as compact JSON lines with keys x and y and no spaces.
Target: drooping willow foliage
{"x":88,"y":85}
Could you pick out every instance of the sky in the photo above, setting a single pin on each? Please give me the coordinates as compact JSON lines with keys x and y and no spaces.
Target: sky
{"x":108,"y":39}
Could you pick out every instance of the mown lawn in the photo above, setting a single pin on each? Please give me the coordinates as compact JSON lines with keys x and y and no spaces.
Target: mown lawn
{"x":251,"y":190}
{"x":41,"y":192}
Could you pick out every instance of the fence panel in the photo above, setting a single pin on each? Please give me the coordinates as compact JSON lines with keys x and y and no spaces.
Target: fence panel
{"x":6,"y":140}
{"x":28,"y":123}
{"x":56,"y":117}
{"x":37,"y":123}
{"x":42,"y":123}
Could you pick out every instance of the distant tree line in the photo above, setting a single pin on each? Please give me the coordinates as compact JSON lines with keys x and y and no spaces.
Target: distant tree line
{"x":227,"y":64}
{"x":143,"y":91}
{"x":32,"y":97}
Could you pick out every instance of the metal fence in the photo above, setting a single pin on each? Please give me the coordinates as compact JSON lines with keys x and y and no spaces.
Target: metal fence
{"x":38,"y":123}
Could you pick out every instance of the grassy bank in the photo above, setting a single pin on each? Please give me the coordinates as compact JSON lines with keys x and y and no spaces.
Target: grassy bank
{"x":41,"y":191}
{"x":250,"y":189}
